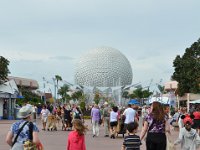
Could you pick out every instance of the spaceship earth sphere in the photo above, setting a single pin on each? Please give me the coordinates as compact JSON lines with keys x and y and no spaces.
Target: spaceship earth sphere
{"x":103,"y":67}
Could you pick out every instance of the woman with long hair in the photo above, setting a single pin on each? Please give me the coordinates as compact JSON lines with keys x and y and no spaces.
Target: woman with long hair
{"x":155,"y":125}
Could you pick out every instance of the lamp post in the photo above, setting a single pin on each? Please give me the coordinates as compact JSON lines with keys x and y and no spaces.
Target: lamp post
{"x":55,"y":95}
{"x":44,"y":90}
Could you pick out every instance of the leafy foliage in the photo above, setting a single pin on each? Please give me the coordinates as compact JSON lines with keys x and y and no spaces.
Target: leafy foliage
{"x":97,"y":98}
{"x":4,"y":71}
{"x":187,"y":70}
{"x":63,"y":93}
{"x":77,"y":95}
{"x":29,"y":97}
{"x":125,"y":94}
{"x":161,"y":88}
{"x":140,"y":93}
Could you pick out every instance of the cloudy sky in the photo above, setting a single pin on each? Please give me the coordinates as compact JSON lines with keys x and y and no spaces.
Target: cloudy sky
{"x":42,"y":38}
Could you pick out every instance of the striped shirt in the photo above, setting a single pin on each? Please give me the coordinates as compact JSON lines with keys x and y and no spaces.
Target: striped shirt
{"x":132,"y":142}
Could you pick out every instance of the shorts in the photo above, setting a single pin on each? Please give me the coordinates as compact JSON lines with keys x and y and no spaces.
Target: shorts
{"x":44,"y":119}
{"x":113,"y":124}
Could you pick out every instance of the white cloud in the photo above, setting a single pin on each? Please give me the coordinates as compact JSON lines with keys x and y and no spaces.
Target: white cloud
{"x":45,"y":37}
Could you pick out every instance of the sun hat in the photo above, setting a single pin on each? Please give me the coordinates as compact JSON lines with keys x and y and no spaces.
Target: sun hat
{"x":25,"y":111}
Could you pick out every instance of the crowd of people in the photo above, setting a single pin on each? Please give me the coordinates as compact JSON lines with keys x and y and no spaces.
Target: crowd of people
{"x":157,"y":123}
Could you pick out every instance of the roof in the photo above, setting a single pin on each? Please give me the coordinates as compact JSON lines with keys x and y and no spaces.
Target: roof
{"x":29,"y":83}
{"x":9,"y":87}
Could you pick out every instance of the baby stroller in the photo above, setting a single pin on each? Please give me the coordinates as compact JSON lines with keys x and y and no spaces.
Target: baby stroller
{"x":120,"y":127}
{"x":51,"y":123}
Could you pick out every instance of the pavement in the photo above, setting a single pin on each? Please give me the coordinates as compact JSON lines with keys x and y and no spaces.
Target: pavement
{"x":57,"y":140}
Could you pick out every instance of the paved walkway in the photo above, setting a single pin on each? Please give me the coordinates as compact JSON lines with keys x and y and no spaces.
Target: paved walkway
{"x":56,"y":140}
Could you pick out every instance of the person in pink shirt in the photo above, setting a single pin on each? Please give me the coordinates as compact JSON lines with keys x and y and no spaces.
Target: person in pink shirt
{"x":76,"y":138}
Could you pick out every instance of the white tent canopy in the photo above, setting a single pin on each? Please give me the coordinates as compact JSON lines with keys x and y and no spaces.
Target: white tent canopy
{"x":163,"y":100}
{"x":195,"y":101}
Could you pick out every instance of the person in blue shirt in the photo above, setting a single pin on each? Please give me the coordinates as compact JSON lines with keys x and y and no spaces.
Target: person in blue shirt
{"x":25,"y":113}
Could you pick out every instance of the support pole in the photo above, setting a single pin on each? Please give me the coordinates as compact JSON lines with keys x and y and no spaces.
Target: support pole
{"x":188,"y":102}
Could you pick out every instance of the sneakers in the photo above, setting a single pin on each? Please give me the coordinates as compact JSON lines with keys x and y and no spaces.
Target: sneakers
{"x":112,"y":136}
{"x":106,"y":135}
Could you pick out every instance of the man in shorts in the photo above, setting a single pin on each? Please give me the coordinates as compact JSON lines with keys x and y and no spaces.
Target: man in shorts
{"x":44,"y":115}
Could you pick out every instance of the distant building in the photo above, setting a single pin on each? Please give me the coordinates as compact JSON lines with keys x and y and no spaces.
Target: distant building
{"x":25,"y":83}
{"x":9,"y":91}
{"x":171,"y":88}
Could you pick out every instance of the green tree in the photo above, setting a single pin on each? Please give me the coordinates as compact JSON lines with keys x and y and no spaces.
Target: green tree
{"x":77,"y":95}
{"x":147,"y":93}
{"x":4,"y":71}
{"x":161,"y":88}
{"x":187,"y":70}
{"x":125,"y":94}
{"x":140,"y":94}
{"x":29,"y":97}
{"x":97,"y":98}
{"x":63,"y":93}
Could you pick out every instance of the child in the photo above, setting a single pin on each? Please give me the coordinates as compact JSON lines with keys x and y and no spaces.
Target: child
{"x":188,"y":137}
{"x":132,"y":141}
{"x":76,"y":138}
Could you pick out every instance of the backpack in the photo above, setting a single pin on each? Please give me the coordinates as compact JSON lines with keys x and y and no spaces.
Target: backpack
{"x":106,"y":113}
{"x":77,"y":115}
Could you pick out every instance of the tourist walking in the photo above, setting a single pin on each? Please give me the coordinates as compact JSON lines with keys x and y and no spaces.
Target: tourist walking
{"x":130,"y":116}
{"x":144,"y":113}
{"x":44,"y":115}
{"x":77,"y":114}
{"x":174,"y":121}
{"x":188,"y":137}
{"x":113,"y":121}
{"x":95,"y":115}
{"x":67,"y":118}
{"x":132,"y":141}
{"x":76,"y":138}
{"x":196,"y":121}
{"x":183,"y":111}
{"x":106,"y":119}
{"x":23,"y":130}
{"x":155,"y":125}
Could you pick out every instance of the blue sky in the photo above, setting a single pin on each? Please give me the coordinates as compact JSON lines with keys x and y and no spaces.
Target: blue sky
{"x":42,"y":38}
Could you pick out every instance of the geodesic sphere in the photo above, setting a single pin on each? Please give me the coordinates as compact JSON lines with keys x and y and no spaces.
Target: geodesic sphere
{"x":103,"y":67}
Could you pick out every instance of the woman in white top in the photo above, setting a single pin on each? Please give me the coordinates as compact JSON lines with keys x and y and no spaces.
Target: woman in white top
{"x":113,"y":121}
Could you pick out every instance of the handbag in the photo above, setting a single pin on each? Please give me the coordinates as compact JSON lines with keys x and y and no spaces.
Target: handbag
{"x":29,"y":145}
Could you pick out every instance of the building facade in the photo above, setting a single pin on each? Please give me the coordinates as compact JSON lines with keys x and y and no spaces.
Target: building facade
{"x":10,"y":91}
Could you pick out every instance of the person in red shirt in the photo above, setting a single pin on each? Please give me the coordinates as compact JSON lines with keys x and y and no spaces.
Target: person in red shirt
{"x":196,"y":124}
{"x":76,"y":138}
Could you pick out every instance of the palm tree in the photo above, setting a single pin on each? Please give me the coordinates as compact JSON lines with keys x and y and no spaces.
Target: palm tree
{"x":140,"y":94}
{"x":161,"y":89}
{"x":77,"y":95}
{"x":63,"y":93}
{"x":58,"y":78}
